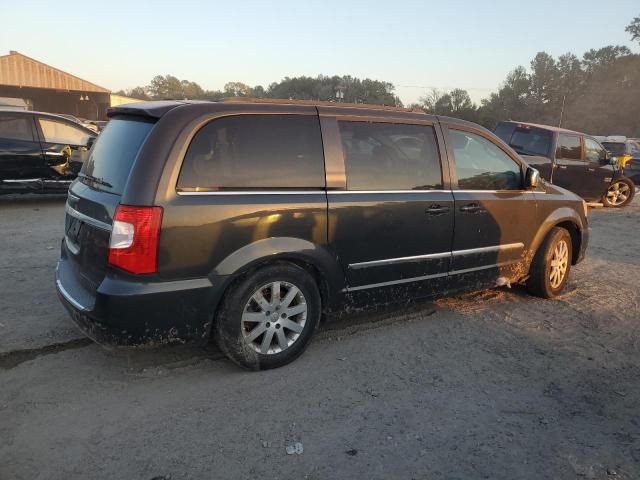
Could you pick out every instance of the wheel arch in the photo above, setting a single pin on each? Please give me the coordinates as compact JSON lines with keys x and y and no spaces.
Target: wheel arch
{"x":317,"y":260}
{"x":568,"y":219}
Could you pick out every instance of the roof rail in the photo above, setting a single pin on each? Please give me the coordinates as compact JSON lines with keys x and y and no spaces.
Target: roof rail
{"x":319,"y":103}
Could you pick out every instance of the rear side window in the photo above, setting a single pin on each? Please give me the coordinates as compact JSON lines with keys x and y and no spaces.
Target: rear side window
{"x":254,"y":152}
{"x":481,"y":165}
{"x":60,"y":132}
{"x":113,"y":154}
{"x":569,"y":147}
{"x":16,"y":128}
{"x":389,"y":156}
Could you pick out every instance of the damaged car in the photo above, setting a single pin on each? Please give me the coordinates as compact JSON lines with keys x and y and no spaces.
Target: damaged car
{"x":40,"y":152}
{"x":247,"y":222}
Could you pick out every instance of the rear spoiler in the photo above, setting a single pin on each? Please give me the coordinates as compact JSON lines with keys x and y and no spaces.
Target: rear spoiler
{"x":144,"y":109}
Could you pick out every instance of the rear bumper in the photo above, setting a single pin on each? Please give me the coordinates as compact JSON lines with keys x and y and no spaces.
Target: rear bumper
{"x":124,"y":313}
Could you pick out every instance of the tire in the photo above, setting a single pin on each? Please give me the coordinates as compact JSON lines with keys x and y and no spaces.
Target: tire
{"x":258,"y":332}
{"x":620,"y":193}
{"x":541,"y":283}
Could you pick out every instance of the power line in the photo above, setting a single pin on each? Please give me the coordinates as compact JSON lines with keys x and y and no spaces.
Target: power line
{"x":429,"y":87}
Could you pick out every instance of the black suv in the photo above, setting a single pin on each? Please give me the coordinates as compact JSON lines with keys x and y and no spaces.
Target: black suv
{"x":40,"y":152}
{"x":248,"y":221}
{"x":572,"y":160}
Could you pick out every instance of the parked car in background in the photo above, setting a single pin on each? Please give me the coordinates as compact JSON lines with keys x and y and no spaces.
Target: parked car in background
{"x":619,"y":147}
{"x":572,"y":160}
{"x":90,"y":124}
{"x":247,"y":221}
{"x":40,"y":152}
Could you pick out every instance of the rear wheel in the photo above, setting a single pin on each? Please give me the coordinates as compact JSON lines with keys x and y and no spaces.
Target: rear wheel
{"x":268,"y":319}
{"x":619,"y":194}
{"x":550,"y":268}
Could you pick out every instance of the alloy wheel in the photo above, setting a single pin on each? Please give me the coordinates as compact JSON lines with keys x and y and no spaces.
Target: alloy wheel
{"x":559,"y":264}
{"x":274,"y":317}
{"x":618,"y":193}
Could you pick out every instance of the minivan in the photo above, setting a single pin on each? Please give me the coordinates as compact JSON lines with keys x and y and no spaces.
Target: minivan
{"x":246,"y":222}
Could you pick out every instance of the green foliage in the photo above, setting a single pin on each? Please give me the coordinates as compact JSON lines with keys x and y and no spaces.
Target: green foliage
{"x":634,"y":29}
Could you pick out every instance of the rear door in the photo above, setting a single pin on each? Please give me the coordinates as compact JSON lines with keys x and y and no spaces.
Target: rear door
{"x":571,"y":169}
{"x":391,"y":223}
{"x":20,"y":152}
{"x":495,"y":216}
{"x":91,"y":204}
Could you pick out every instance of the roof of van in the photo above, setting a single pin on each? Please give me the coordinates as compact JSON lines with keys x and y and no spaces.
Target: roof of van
{"x":544,"y":127}
{"x":158,"y":108}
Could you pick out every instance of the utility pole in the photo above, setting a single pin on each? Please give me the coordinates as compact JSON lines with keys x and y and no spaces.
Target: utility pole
{"x":562,"y":110}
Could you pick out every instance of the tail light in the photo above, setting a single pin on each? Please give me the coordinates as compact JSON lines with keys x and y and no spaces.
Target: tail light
{"x":133,"y":245}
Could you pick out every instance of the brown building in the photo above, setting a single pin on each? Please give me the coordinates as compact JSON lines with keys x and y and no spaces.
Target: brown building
{"x":47,"y":89}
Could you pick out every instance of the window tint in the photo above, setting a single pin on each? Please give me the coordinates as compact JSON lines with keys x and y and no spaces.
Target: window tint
{"x":112,"y":156}
{"x":593,"y":150}
{"x":255,"y":151}
{"x":569,"y":147}
{"x":59,"y":132}
{"x":615,"y":148}
{"x":388,"y":156}
{"x":531,"y":141}
{"x":16,"y":128}
{"x":481,"y":165}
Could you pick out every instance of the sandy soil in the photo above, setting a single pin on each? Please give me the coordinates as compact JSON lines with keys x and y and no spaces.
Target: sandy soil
{"x":492,"y":384}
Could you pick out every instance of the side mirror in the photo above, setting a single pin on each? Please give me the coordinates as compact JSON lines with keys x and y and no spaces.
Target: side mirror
{"x":532,"y":178}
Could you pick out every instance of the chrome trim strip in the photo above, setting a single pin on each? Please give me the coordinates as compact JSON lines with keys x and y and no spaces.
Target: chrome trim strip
{"x":344,"y":192}
{"x":433,"y":256}
{"x":483,"y":267}
{"x":495,"y":248}
{"x":394,"y":282}
{"x":251,"y":192}
{"x":428,"y":277}
{"x":69,"y":298}
{"x":389,"y":261}
{"x":492,"y":191}
{"x":86,"y":218}
{"x":23,"y":180}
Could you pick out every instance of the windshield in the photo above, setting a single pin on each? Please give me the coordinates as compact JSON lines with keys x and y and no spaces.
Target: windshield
{"x":615,"y":148}
{"x":113,"y":154}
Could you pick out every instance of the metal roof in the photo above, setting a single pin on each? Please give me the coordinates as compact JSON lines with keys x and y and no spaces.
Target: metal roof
{"x":18,"y":70}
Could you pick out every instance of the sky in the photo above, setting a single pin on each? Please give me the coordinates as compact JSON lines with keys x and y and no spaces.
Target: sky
{"x":416,"y":45}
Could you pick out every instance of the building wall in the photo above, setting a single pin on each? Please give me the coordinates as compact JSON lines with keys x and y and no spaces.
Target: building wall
{"x":93,"y":105}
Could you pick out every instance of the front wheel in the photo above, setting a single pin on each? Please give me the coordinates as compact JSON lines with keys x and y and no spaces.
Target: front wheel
{"x":619,"y":194}
{"x":268,"y":319}
{"x":550,"y":268}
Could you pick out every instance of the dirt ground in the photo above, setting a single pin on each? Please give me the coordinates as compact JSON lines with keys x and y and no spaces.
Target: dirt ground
{"x":492,"y":384}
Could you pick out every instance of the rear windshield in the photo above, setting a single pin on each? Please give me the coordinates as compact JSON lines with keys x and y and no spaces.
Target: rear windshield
{"x":526,"y":140}
{"x":112,"y":156}
{"x":615,"y":148}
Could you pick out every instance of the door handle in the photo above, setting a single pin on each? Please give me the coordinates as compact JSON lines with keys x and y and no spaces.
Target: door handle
{"x":437,"y":210}
{"x":54,"y":154}
{"x":563,"y":167}
{"x":472,"y":208}
{"x":591,"y":169}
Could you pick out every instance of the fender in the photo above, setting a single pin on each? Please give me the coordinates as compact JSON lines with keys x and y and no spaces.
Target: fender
{"x":273,"y":248}
{"x":557,"y":216}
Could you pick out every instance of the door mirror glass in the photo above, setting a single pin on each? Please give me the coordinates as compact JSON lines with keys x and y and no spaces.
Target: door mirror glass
{"x":533,"y":178}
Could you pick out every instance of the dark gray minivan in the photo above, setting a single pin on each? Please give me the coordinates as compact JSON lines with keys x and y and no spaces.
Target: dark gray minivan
{"x":247,"y":222}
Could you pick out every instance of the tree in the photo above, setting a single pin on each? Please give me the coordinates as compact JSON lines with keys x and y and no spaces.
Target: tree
{"x":602,"y":57}
{"x":634,"y":29}
{"x":136,"y":92}
{"x":237,"y":89}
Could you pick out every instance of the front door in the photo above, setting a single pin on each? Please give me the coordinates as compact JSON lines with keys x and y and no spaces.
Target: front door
{"x":394,"y":221}
{"x":65,"y":145}
{"x":599,"y":171}
{"x":495,"y":216}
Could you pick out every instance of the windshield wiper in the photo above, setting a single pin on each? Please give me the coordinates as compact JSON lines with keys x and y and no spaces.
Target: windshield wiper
{"x":97,"y":180}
